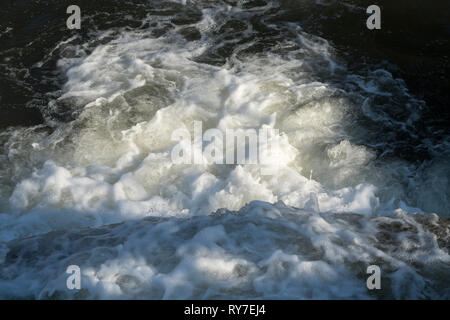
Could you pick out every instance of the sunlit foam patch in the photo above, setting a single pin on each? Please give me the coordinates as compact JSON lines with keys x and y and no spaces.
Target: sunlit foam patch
{"x":113,"y":162}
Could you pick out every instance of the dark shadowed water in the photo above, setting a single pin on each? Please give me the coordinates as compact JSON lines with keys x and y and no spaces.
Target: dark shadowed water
{"x":87,"y":178}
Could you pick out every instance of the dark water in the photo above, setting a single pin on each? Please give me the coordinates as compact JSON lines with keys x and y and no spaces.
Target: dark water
{"x":60,"y":168}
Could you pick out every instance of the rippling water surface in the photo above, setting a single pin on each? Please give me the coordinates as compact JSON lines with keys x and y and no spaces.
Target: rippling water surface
{"x":86,"y":175}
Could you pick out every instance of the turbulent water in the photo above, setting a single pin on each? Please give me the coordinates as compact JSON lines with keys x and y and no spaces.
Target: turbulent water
{"x":86,"y":175}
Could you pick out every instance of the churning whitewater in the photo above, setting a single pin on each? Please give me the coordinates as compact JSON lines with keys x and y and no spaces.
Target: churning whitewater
{"x":101,"y":190}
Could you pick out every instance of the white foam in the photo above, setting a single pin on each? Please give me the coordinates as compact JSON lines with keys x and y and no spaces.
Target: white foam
{"x":113,"y":164}
{"x":263,"y":252}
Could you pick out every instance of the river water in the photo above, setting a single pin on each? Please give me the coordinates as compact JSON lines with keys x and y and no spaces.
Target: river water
{"x":87,"y":178}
